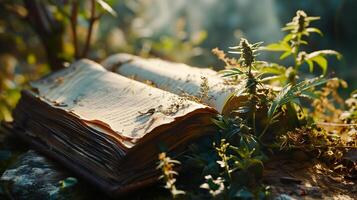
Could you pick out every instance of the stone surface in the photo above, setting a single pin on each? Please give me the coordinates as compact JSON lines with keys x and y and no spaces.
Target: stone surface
{"x":33,"y":176}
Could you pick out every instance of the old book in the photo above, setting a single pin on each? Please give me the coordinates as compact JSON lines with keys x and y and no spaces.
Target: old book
{"x":177,"y":78}
{"x":107,"y":128}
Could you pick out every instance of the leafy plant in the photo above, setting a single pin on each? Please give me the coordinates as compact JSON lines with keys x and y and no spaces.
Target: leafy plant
{"x":290,"y":94}
{"x":299,"y":29}
{"x":166,"y":164}
{"x":243,"y":68}
{"x":214,"y":186}
{"x":282,"y":104}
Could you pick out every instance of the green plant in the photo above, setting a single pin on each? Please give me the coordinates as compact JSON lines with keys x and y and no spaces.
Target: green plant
{"x":299,"y":29}
{"x":214,"y":186}
{"x":290,"y":94}
{"x":244,"y":69}
{"x":166,"y":164}
{"x":283,"y":103}
{"x":242,"y":168}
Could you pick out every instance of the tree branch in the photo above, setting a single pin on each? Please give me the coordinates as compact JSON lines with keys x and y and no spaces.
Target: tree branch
{"x":92,"y":20}
{"x":73,"y":22}
{"x":49,"y":30}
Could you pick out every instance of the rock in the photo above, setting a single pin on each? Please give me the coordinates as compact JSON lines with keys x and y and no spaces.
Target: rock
{"x":312,"y":192}
{"x":284,"y":197}
{"x":35,"y":177}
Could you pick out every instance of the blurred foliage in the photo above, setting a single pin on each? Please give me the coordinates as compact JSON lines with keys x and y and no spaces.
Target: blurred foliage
{"x":11,"y":82}
{"x":39,"y":36}
{"x":124,"y":26}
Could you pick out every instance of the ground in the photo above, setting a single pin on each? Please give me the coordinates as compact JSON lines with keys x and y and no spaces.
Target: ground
{"x":293,"y":176}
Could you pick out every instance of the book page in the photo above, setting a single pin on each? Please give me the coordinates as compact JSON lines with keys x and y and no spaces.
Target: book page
{"x":174,"y":77}
{"x":129,"y":108}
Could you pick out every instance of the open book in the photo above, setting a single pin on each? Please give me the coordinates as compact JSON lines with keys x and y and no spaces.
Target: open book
{"x":177,"y":78}
{"x":109,"y":128}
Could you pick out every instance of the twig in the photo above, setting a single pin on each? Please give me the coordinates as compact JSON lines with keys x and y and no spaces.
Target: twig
{"x":73,"y":21}
{"x":92,"y":20}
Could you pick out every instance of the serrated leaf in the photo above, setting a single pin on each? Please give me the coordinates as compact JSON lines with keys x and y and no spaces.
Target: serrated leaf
{"x":290,"y":92}
{"x":231,"y":72}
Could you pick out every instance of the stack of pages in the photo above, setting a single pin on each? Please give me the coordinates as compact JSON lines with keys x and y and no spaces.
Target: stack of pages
{"x":109,"y":127}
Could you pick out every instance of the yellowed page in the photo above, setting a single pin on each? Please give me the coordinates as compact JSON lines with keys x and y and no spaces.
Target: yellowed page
{"x":130,"y":108}
{"x":173,"y":77}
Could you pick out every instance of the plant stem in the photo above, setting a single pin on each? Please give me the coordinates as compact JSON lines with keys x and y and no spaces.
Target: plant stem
{"x":73,"y":22}
{"x":265,"y":129}
{"x":251,"y":87}
{"x":49,"y":30}
{"x":92,"y":20}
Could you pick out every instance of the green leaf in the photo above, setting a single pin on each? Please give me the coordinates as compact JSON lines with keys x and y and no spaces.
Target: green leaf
{"x":231,"y":72}
{"x":309,"y":94}
{"x":323,"y":53}
{"x":274,"y":78}
{"x":319,"y":58}
{"x":287,"y":38}
{"x":107,"y":7}
{"x":277,"y":47}
{"x":322,"y":62}
{"x":219,"y":123}
{"x":273,"y":69}
{"x":311,"y":65}
{"x":278,"y":101}
{"x":314,"y":30}
{"x":303,"y":42}
{"x":312,"y":18}
{"x":284,"y":55}
{"x":288,"y":27}
{"x":291,"y":92}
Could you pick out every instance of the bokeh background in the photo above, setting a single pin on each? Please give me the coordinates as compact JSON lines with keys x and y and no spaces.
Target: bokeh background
{"x":176,"y":30}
